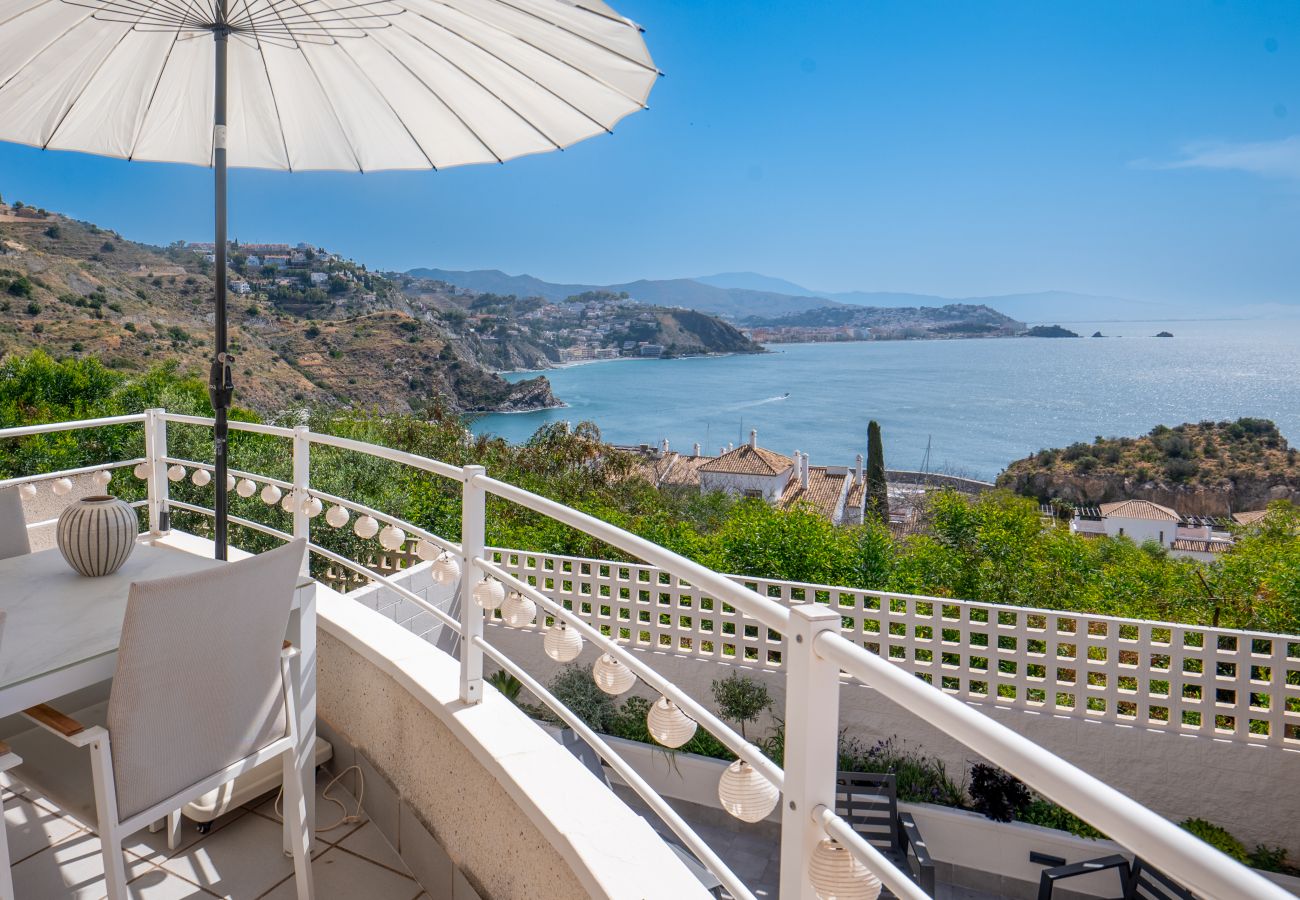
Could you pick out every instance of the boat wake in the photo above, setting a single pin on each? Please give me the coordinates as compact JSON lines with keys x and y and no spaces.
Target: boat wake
{"x":765,"y":400}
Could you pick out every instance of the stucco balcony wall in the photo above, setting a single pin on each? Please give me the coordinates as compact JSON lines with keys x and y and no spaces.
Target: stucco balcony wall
{"x":504,"y":808}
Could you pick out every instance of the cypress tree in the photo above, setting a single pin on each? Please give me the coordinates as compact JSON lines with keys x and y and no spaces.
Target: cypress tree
{"x":877,"y":491}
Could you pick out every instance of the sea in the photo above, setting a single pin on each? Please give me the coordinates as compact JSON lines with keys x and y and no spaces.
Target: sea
{"x":964,"y":407}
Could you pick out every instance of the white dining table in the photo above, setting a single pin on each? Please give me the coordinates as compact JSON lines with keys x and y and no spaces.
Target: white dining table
{"x":61,"y":631}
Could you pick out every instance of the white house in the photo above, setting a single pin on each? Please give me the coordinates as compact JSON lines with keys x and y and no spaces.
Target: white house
{"x":319,"y":277}
{"x":241,"y":287}
{"x":1140,"y":521}
{"x":749,"y":471}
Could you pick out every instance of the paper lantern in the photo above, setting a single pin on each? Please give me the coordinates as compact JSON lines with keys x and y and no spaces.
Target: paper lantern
{"x":489,"y":593}
{"x":230,"y":483}
{"x":836,"y":874}
{"x":201,"y":477}
{"x":427,"y":550}
{"x":745,"y":793}
{"x":102,"y":477}
{"x":141,"y":471}
{"x":518,"y":611}
{"x":446,"y":570}
{"x":611,"y":676}
{"x":337,"y":517}
{"x":365,"y":527}
{"x":290,"y":502}
{"x":311,"y":509}
{"x":27,"y":491}
{"x":562,"y":643}
{"x":392,"y":538}
{"x":61,"y":487}
{"x":668,"y":724}
{"x":175,"y":472}
{"x":271,"y":495}
{"x":246,"y":488}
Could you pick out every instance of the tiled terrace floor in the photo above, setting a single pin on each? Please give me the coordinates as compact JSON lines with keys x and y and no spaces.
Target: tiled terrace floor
{"x":54,"y":857}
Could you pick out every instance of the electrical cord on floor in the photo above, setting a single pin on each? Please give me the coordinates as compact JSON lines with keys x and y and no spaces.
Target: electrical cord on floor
{"x":347,"y":818}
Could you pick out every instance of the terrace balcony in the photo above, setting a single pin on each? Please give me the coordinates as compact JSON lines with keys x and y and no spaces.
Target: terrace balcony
{"x":453,"y":791}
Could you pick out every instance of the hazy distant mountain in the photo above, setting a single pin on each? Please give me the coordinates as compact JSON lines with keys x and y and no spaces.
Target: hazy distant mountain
{"x":740,"y":295}
{"x":684,"y":292}
{"x":1062,"y":306}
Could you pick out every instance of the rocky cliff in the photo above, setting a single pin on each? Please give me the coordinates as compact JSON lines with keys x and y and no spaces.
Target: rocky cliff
{"x":1210,"y":468}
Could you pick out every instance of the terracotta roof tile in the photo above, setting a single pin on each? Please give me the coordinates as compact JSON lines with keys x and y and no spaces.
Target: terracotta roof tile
{"x":823,"y":492}
{"x":1250,"y":518}
{"x":747,"y":460}
{"x":1201,"y":546}
{"x":1138,"y":509}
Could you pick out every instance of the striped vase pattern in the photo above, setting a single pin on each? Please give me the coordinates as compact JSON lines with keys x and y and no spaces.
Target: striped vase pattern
{"x":97,"y":534}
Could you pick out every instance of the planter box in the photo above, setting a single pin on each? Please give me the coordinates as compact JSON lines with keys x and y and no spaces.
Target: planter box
{"x":969,"y":849}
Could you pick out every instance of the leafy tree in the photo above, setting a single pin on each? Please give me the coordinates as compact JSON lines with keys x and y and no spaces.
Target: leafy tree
{"x":741,"y":699}
{"x":877,"y":489}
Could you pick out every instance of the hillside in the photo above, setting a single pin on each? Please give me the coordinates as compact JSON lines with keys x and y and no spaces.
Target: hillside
{"x":74,"y":289}
{"x":890,"y":323}
{"x":732,"y":303}
{"x":1210,"y":468}
{"x":509,"y":332}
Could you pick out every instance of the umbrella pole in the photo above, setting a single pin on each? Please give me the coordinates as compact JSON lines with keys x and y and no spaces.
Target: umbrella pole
{"x":220,"y":385}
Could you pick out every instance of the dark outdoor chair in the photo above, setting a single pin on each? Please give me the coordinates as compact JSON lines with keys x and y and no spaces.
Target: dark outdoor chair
{"x":1137,"y":882}
{"x":574,"y":743}
{"x":868,"y":801}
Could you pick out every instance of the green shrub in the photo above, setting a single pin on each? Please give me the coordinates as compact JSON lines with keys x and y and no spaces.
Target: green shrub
{"x":573,"y":687}
{"x":1218,"y":838}
{"x":998,"y":794}
{"x":1044,"y":812}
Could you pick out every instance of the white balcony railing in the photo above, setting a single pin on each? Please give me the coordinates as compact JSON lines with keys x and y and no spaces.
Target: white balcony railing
{"x":807,"y":640}
{"x":1222,"y":683}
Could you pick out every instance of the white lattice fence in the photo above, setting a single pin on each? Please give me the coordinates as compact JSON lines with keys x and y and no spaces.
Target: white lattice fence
{"x":1233,"y":685}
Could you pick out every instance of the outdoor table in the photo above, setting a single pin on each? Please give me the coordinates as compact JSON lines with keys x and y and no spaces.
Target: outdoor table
{"x":61,"y":632}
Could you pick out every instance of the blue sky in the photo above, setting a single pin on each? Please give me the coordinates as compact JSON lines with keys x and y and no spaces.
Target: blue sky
{"x":1141,"y":149}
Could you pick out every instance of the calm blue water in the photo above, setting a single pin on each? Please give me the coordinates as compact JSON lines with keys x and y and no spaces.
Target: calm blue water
{"x":981,"y":403}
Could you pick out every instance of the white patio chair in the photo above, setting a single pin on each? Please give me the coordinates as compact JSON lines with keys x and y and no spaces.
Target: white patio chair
{"x":202,"y":693}
{"x":8,"y":759}
{"x":13,"y":524}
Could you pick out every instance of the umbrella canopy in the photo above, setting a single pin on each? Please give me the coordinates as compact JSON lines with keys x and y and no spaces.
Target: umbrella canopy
{"x":318,"y":84}
{"x":313,"y":84}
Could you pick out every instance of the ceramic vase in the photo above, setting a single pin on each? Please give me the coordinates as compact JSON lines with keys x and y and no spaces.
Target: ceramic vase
{"x":97,"y":534}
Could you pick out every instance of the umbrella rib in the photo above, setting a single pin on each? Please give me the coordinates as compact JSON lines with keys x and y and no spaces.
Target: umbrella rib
{"x":396,"y":115}
{"x":445,"y":105}
{"x":356,"y":157}
{"x":582,"y":37}
{"x":279,"y":122}
{"x":47,"y":46}
{"x":487,"y":89}
{"x":577,"y":68}
{"x":84,"y":87}
{"x":513,"y":67}
{"x":135,"y":141}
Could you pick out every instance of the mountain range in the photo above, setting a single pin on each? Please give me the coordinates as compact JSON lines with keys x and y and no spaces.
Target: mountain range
{"x":743,"y":295}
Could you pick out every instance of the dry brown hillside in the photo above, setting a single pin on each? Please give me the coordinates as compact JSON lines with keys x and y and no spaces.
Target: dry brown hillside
{"x":72,"y":288}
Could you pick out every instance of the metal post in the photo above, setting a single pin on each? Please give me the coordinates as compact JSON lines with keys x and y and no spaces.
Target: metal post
{"x":473,"y":524}
{"x":812,"y":713}
{"x":155,"y":450}
{"x":220,"y":385}
{"x":301,"y":483}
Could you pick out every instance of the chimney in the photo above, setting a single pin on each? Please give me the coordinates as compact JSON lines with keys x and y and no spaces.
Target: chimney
{"x":696,"y":448}
{"x":730,"y":446}
{"x":753,"y":437}
{"x":857,"y":477}
{"x":663,"y":446}
{"x":803,"y":476}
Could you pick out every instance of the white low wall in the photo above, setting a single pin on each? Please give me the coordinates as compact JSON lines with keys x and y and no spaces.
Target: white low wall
{"x":1251,"y":790}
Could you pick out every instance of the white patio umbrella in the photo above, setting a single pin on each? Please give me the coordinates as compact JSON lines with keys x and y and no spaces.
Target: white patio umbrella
{"x":312,"y":84}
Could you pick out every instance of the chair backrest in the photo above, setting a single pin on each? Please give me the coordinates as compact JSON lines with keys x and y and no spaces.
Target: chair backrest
{"x":198,"y":683}
{"x":868,"y":801}
{"x":1146,"y":883}
{"x":13,"y":524}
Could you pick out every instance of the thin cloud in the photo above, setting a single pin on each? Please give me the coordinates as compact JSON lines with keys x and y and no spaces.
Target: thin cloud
{"x":1269,"y":159}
